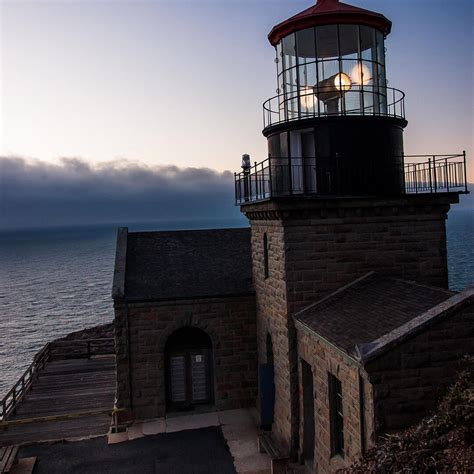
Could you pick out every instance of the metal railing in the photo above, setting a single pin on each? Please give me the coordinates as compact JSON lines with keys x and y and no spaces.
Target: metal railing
{"x":304,"y":176}
{"x":57,"y":350}
{"x":438,"y":174}
{"x":358,"y":101}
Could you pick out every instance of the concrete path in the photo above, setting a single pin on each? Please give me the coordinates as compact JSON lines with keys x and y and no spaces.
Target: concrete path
{"x":239,"y":428}
{"x":202,"y":451}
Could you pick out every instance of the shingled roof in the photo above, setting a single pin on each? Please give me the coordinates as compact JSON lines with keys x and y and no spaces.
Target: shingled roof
{"x":359,"y":317}
{"x":183,"y":264}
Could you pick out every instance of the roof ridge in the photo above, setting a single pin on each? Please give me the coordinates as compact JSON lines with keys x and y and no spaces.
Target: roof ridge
{"x":176,"y":231}
{"x":367,"y":276}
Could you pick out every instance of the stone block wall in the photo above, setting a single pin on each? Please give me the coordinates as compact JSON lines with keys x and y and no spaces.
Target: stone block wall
{"x":141,"y":332}
{"x":332,"y":247}
{"x":409,"y":380}
{"x":317,"y":246}
{"x":358,"y":432}
{"x":272,"y":320}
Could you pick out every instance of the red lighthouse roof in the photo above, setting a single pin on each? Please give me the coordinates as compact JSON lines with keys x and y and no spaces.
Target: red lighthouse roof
{"x":329,"y":12}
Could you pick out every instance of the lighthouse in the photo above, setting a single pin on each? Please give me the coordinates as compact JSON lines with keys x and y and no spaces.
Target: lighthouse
{"x":335,"y":199}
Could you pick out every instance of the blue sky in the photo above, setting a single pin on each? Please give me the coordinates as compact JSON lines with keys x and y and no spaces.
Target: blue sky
{"x":182,"y":83}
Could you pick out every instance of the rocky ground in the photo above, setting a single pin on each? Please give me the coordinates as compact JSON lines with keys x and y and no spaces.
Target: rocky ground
{"x":441,"y":443}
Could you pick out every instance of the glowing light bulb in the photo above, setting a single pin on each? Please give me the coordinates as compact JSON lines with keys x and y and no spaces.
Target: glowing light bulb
{"x":360,"y":74}
{"x":342,"y":82}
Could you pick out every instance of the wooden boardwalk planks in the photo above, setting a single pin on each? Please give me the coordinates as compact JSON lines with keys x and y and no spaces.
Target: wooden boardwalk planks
{"x":62,"y":388}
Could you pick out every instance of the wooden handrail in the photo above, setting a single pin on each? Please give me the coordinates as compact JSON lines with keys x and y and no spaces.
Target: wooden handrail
{"x":17,"y":392}
{"x":65,"y":416}
{"x":88,"y":344}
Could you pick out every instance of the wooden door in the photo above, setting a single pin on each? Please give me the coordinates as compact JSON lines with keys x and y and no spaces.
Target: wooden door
{"x":189,"y":378}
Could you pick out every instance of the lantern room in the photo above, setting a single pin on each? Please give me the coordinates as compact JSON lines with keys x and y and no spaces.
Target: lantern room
{"x":331,"y":61}
{"x":332,"y":70}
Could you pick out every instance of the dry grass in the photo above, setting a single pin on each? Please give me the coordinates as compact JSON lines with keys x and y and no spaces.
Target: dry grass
{"x":441,"y":443}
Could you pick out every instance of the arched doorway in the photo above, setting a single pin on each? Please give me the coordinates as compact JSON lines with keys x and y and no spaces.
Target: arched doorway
{"x":189,"y":378}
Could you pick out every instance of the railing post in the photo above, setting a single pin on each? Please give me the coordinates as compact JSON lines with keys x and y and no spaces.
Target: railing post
{"x":429,"y":172}
{"x":434,"y":175}
{"x":403,"y":174}
{"x":465,"y":170}
{"x":446,"y":173}
{"x":415,"y":177}
{"x":256,"y":181}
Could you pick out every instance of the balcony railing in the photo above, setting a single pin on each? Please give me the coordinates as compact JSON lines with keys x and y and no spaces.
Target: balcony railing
{"x":436,"y":174}
{"x":306,"y":176}
{"x":358,"y":101}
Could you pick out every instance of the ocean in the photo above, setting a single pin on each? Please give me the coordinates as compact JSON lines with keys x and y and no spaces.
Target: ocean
{"x":57,"y":280}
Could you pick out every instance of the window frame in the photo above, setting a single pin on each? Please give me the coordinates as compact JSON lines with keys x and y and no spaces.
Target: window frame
{"x":336,"y":415}
{"x":266,"y":270}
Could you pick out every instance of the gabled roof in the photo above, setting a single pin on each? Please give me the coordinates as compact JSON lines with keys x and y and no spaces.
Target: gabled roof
{"x":329,"y":12}
{"x":182,"y":264}
{"x":370,"y":315}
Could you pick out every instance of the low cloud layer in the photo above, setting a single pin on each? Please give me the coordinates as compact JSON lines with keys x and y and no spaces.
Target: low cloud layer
{"x":35,"y":193}
{"x":75,"y":192}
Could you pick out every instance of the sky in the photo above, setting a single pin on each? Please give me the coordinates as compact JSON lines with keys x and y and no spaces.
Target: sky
{"x":157,"y":84}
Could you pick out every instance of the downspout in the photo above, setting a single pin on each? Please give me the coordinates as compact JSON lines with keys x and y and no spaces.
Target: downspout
{"x":363,"y":443}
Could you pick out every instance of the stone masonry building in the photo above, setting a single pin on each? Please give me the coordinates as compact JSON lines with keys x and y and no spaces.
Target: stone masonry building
{"x":331,"y":314}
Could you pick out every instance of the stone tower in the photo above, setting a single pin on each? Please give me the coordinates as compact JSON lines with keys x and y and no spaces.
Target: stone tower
{"x":336,"y":197}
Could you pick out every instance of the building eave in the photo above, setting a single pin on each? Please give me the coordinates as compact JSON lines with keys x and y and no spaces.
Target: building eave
{"x":118,"y":285}
{"x":367,"y":352}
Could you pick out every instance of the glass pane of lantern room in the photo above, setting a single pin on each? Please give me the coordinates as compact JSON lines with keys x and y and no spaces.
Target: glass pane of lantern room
{"x":289,"y":74}
{"x":305,"y":46}
{"x":306,"y":52}
{"x":326,"y":42}
{"x":367,"y":43}
{"x":380,"y":47}
{"x":382,"y":90}
{"x":327,"y":51}
{"x":280,"y":78}
{"x":349,"y":49}
{"x":349,"y":41}
{"x":279,"y":60}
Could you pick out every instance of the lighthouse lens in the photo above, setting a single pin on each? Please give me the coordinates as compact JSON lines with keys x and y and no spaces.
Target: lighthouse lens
{"x":360,"y":74}
{"x":342,"y":82}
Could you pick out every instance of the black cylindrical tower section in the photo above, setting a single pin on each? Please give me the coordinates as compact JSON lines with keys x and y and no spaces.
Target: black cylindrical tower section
{"x":334,"y":115}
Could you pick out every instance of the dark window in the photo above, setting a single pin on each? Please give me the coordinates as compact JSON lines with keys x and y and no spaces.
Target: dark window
{"x":336,"y":415}
{"x":265,"y":254}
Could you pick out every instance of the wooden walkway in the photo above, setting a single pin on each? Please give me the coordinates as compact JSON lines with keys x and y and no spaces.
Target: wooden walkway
{"x":77,"y":396}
